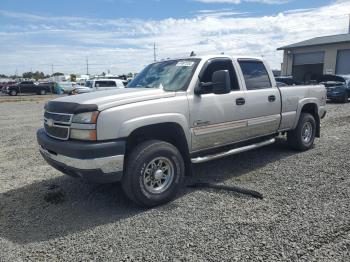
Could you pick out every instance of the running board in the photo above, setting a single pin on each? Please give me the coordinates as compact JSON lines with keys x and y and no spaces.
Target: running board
{"x":198,"y":160}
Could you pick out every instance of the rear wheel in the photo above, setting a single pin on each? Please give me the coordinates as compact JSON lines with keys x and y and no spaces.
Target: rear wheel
{"x":345,"y":98}
{"x":302,"y":138}
{"x":42,"y":92}
{"x":13,"y":93}
{"x":154,"y":173}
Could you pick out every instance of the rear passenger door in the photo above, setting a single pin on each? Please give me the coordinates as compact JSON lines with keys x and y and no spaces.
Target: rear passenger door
{"x":263,"y":100}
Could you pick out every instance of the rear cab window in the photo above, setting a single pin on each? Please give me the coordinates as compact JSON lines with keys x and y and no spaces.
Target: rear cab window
{"x":255,"y":74}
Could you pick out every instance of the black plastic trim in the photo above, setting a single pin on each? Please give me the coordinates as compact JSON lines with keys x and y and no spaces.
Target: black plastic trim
{"x":69,"y":108}
{"x":79,"y":149}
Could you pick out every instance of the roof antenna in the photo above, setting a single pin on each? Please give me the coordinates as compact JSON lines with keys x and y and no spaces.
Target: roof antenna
{"x":193,"y":53}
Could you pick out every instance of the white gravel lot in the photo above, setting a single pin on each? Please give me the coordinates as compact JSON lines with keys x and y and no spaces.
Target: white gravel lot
{"x":304,"y":216}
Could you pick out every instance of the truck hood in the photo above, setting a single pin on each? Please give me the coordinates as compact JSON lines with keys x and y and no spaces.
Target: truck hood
{"x":118,"y":97}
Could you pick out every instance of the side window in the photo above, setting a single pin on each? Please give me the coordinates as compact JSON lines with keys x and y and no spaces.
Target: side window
{"x":100,"y":84}
{"x":217,"y":65}
{"x":255,"y":75}
{"x":111,"y":84}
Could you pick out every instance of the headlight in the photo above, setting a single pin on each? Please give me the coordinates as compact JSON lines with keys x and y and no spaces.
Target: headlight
{"x":84,"y":126}
{"x":86,"y":118}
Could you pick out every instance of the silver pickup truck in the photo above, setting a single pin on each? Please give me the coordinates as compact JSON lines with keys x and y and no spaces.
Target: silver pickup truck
{"x":176,"y":113}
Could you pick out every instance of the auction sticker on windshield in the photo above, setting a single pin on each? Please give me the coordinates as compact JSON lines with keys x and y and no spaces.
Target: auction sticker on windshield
{"x":185,"y":63}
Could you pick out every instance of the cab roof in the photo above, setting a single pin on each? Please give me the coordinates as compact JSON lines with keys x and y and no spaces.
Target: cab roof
{"x":207,"y":57}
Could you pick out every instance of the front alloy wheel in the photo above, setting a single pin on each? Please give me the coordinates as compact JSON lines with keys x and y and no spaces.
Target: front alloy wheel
{"x":154,"y":173}
{"x":158,"y":175}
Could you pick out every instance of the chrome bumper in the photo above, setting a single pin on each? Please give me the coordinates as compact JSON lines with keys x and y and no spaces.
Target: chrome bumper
{"x":110,"y":164}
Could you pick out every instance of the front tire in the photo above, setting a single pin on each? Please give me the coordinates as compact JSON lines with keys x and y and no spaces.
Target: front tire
{"x":154,"y":173}
{"x":302,"y":138}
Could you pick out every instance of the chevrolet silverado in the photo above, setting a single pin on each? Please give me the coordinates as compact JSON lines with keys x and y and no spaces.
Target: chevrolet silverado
{"x":176,"y":113}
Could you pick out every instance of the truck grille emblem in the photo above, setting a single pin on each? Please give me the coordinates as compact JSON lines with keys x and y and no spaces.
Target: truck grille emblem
{"x":49,"y":122}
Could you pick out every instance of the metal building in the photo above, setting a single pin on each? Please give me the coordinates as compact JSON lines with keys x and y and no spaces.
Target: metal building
{"x":312,"y":58}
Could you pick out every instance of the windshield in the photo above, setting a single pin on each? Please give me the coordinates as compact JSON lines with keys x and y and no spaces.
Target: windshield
{"x":171,"y":75}
{"x":89,"y":84}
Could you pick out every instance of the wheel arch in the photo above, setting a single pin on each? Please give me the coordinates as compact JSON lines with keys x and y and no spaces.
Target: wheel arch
{"x":170,"y":132}
{"x":312,"y":108}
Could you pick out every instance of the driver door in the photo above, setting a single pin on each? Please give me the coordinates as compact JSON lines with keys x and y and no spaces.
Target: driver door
{"x":217,"y":120}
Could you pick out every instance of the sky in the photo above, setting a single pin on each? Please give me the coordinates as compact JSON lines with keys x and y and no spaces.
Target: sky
{"x":118,"y":36}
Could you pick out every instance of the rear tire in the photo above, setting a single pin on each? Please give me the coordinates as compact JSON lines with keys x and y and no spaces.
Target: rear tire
{"x":345,"y":98}
{"x":154,"y":173}
{"x":302,"y":138}
{"x":13,"y":93}
{"x":42,"y":92}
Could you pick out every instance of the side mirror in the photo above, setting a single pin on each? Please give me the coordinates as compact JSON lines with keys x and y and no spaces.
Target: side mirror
{"x":221,"y":82}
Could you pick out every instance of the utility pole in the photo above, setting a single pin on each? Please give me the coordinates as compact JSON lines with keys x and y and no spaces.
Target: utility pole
{"x":52,"y":68}
{"x":154,"y":52}
{"x":349,"y":25}
{"x":87,"y":65}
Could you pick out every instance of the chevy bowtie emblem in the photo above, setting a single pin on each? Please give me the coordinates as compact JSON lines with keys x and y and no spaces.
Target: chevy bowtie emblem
{"x":49,"y":122}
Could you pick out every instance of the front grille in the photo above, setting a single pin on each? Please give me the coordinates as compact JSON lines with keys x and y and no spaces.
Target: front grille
{"x":57,"y":131}
{"x":57,"y":125}
{"x":58,"y":117}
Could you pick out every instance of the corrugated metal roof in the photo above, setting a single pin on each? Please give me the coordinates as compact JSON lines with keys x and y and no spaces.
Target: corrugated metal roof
{"x":324,"y":40}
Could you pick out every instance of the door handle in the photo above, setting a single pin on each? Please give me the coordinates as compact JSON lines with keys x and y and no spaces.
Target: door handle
{"x":272,"y":98}
{"x":240,"y":101}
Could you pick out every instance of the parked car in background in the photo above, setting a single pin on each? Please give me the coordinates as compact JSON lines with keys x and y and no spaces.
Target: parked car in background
{"x":99,"y":85}
{"x":175,"y":113}
{"x":280,"y":84}
{"x":288,"y":80}
{"x":28,"y":87}
{"x":3,"y":85}
{"x":64,"y":87}
{"x":338,"y":87}
{"x":49,"y":85}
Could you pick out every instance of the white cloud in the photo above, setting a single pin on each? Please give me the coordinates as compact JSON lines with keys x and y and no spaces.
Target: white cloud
{"x":123,"y":45}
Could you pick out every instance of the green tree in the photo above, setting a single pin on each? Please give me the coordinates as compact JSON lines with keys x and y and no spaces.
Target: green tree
{"x":27,"y":75}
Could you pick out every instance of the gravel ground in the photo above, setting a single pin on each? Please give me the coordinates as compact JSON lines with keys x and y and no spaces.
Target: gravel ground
{"x":304,"y":216}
